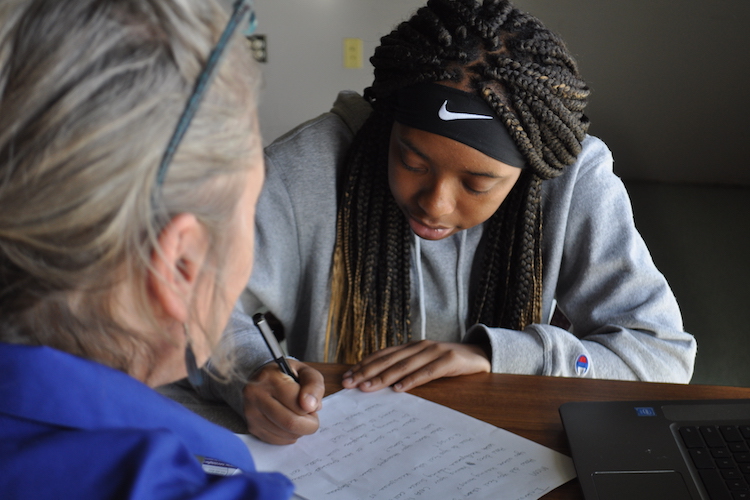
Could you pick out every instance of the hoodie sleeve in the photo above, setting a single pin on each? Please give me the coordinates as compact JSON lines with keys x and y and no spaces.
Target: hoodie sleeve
{"x":626,"y":323}
{"x":274,"y":282}
{"x":274,"y":286}
{"x":295,"y":233}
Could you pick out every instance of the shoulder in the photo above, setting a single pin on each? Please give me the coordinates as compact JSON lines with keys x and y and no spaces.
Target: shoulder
{"x":594,"y":157}
{"x":298,"y":202}
{"x":594,"y":167}
{"x":324,"y":137}
{"x":352,"y":109}
{"x":588,"y":194}
{"x":303,"y":165}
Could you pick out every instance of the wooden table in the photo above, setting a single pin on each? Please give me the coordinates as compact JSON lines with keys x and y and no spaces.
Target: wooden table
{"x":528,"y":405}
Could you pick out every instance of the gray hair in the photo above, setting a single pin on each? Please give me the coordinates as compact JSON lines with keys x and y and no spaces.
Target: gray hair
{"x":90,"y":92}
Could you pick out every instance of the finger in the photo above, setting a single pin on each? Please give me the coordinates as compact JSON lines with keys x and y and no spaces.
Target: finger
{"x":273,"y":422}
{"x":282,"y":387}
{"x":312,"y":387}
{"x":271,"y":408}
{"x":437,"y":368}
{"x":453,"y":360}
{"x":401,"y":370}
{"x":389,"y":369}
{"x":381,"y":359}
{"x":267,"y":431}
{"x":256,"y":407}
{"x":377,"y":355}
{"x":283,"y":403}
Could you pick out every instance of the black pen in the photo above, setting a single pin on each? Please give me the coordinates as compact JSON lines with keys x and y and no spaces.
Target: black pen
{"x":273,"y":345}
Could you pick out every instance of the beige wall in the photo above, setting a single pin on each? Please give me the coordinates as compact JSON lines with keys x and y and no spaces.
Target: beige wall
{"x":305,"y":69}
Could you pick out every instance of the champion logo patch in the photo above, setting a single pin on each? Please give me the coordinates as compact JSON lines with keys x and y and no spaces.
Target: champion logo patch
{"x":582,"y":365}
{"x":447,"y":116}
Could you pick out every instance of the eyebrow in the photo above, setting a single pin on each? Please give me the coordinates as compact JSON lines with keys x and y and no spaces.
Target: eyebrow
{"x":490,"y":175}
{"x":409,"y":145}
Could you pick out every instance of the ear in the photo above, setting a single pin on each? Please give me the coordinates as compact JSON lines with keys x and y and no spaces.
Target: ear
{"x":176,"y":265}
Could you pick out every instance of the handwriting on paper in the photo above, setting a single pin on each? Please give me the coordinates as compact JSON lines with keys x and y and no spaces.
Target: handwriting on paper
{"x":389,"y":445}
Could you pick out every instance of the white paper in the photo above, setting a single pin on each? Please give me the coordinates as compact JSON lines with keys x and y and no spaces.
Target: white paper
{"x":389,"y":445}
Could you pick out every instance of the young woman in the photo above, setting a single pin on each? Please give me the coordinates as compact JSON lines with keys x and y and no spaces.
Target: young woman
{"x":121,"y":256}
{"x":433,"y":227}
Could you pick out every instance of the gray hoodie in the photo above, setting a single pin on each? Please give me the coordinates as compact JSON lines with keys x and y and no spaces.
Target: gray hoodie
{"x":625,"y":320}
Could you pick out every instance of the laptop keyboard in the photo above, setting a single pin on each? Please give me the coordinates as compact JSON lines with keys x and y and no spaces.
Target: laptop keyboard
{"x":721,"y":454}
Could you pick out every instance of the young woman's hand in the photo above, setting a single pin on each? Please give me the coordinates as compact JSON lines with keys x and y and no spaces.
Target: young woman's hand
{"x":277,"y":409}
{"x":410,"y":365}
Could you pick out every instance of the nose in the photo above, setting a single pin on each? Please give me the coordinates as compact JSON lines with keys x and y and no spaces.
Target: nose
{"x":437,"y":200}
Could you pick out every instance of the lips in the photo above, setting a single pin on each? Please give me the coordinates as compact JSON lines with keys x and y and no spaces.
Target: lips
{"x":429,"y":232}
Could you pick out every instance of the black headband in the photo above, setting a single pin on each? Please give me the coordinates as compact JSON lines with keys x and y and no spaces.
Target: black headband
{"x":462,"y":116}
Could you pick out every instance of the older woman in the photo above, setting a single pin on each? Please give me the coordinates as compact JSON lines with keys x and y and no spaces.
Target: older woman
{"x":121,"y":254}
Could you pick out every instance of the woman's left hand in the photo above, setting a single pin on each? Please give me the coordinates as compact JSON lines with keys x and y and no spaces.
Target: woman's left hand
{"x":410,"y":365}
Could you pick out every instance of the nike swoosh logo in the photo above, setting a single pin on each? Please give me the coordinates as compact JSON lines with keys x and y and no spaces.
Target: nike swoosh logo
{"x":447,"y":116}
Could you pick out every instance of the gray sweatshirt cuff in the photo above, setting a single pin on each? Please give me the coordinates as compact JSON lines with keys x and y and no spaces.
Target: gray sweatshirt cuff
{"x":511,"y":351}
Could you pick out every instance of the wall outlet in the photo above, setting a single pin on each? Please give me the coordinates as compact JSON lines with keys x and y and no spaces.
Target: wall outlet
{"x":352,"y":52}
{"x":258,"y":47}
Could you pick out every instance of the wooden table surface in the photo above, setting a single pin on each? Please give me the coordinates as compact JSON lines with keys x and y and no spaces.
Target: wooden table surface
{"x":528,"y":405}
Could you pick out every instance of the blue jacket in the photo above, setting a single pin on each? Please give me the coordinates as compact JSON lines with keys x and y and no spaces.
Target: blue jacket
{"x":73,"y":428}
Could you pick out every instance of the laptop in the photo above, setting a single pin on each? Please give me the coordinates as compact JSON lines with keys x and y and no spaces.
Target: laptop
{"x":660,"y":450}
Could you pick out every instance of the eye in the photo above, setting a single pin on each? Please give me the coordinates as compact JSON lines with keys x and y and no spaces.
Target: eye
{"x":411,"y":162}
{"x":410,"y":168}
{"x":480,"y":187}
{"x":475,"y":191}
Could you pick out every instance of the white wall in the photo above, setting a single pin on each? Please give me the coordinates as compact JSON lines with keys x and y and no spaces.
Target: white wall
{"x":305,"y":67}
{"x":669,"y":78}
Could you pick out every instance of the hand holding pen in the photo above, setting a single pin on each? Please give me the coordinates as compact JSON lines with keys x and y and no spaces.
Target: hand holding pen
{"x":273,"y":345}
{"x":281,"y":400}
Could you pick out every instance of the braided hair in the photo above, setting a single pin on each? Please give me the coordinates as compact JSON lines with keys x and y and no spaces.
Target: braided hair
{"x":527,"y":76}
